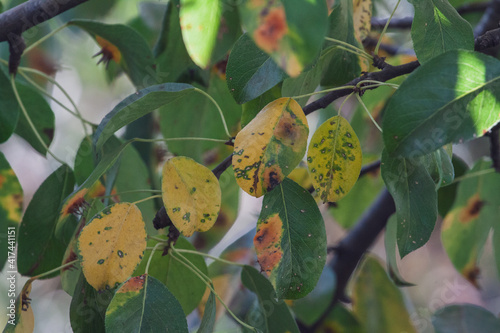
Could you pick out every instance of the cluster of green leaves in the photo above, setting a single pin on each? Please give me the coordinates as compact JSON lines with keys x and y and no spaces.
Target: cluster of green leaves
{"x":91,"y":224}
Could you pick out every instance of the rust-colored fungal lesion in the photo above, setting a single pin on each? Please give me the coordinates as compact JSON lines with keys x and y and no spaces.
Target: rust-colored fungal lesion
{"x":471,"y":210}
{"x":108,"y":51}
{"x":267,"y":242}
{"x":272,"y":29}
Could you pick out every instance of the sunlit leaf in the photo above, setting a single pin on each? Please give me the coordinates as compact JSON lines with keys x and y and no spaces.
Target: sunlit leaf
{"x":20,"y":318}
{"x":280,"y":319}
{"x":290,"y":240}
{"x":270,"y":146}
{"x":466,"y":227}
{"x":376,"y":299}
{"x":465,"y":318}
{"x":124,"y":46}
{"x":437,"y":28}
{"x":453,"y":99}
{"x":39,"y":250}
{"x":112,"y":245}
{"x":200,"y":21}
{"x":9,"y":107}
{"x":414,"y":193}
{"x":137,"y":105}
{"x":191,"y":194}
{"x":250,"y":72}
{"x":334,"y":159}
{"x":283,"y":30}
{"x":144,"y":304}
{"x":11,"y":208}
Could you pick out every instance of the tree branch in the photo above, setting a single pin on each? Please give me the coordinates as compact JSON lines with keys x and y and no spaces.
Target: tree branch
{"x":489,"y":20}
{"x":494,"y":136}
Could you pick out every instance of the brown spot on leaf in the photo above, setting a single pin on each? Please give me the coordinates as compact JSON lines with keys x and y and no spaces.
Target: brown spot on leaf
{"x":267,"y":242}
{"x":272,"y":177}
{"x":272,"y":29}
{"x":471,"y":273}
{"x":134,"y":284}
{"x":288,"y":132}
{"x":471,"y":210}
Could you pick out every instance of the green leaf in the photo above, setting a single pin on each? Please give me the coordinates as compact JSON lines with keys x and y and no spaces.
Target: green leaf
{"x":197,"y":116}
{"x":208,"y":320}
{"x":437,"y":28}
{"x":251,"y":108}
{"x":390,"y":243}
{"x":453,"y":99}
{"x":376,"y":299}
{"x":137,"y":105}
{"x":466,"y":227}
{"x":88,"y":307}
{"x":277,"y":321}
{"x":250,"y":72}
{"x":341,"y":320}
{"x":414,"y":193}
{"x":84,"y":161}
{"x":144,"y":304}
{"x":446,"y":194}
{"x":283,"y":30}
{"x":41,"y":115}
{"x":290,"y":240}
{"x":310,"y":308}
{"x":126,"y":47}
{"x":228,"y":34}
{"x":11,"y":208}
{"x":465,"y":318}
{"x":199,"y":25}
{"x":334,"y":159}
{"x":38,"y":249}
{"x":341,"y":66}
{"x":9,"y":108}
{"x":187,"y":287}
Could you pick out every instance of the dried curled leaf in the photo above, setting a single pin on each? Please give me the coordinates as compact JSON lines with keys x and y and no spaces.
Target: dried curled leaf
{"x":191,"y":194}
{"x":270,"y":146}
{"x":334,"y":159}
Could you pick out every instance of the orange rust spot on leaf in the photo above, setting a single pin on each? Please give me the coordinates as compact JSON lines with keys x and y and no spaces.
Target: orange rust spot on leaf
{"x":272,"y":177}
{"x":471,"y":272}
{"x":2,"y":180}
{"x":267,"y":242}
{"x":472,"y":210}
{"x":287,"y":130}
{"x":108,"y":50}
{"x":272,"y":29}
{"x":74,"y":204}
{"x":134,"y":284}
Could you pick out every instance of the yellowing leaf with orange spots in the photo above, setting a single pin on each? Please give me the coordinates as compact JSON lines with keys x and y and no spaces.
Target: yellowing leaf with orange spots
{"x":191,"y":195}
{"x":270,"y":146}
{"x":112,"y":245}
{"x":334,"y":159}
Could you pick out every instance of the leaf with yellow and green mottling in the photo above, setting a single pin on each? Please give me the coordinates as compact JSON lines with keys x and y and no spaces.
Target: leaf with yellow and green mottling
{"x":20,"y":314}
{"x":270,"y":146}
{"x":11,"y":205}
{"x":144,"y":304}
{"x":191,"y":195}
{"x":112,"y":245}
{"x":362,"y":14}
{"x":334,"y":159}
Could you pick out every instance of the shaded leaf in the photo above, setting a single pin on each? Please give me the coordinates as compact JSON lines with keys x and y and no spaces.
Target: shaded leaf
{"x":9,"y":108}
{"x":437,"y":28}
{"x":11,"y":208}
{"x":414,"y":193}
{"x":137,"y":105}
{"x":199,"y":25}
{"x":270,"y":146}
{"x":376,"y":299}
{"x":454,"y":98}
{"x":340,"y":320}
{"x":465,"y":318}
{"x":112,"y":245}
{"x":290,"y":240}
{"x":446,"y":194}
{"x":186,"y":286}
{"x":124,"y":46}
{"x":208,"y":320}
{"x":277,"y":321}
{"x":191,"y":194}
{"x":251,"y":108}
{"x":144,"y":304}
{"x":334,"y":159}
{"x":250,"y":72}
{"x":390,"y":242}
{"x":38,"y":248}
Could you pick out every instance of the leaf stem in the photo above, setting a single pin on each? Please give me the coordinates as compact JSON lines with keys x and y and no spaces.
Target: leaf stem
{"x":54,"y":270}
{"x":151,"y":257}
{"x":210,"y":256}
{"x":368,"y":112}
{"x":354,"y":48}
{"x":323,"y":91}
{"x":44,"y":38}
{"x":385,"y":28}
{"x":218,"y":108}
{"x":180,"y":139}
{"x":158,"y":239}
{"x":145,"y":199}
{"x":376,"y":83}
{"x":343,"y":102}
{"x":30,"y":122}
{"x":127,"y":192}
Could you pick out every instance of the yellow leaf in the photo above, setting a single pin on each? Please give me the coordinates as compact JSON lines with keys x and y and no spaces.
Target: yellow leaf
{"x":270,"y":146}
{"x":191,"y":195}
{"x":112,"y":245}
{"x":334,"y":159}
{"x":20,"y":318}
{"x":362,"y":18}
